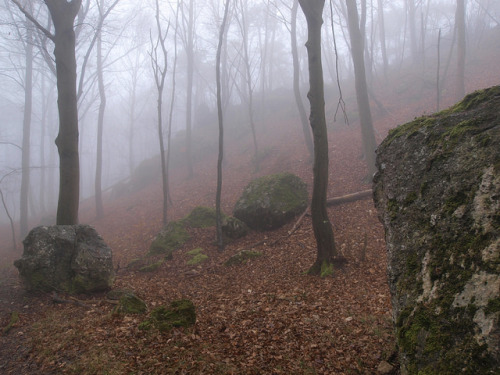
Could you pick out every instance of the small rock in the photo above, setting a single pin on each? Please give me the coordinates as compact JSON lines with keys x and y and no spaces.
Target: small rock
{"x":385,"y":368}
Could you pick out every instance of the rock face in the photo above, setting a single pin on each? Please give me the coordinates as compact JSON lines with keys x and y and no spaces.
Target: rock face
{"x":437,"y":192}
{"x":73,"y":258}
{"x":271,"y":201}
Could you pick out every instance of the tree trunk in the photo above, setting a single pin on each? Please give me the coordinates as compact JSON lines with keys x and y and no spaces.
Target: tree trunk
{"x":460,"y":21}
{"x":412,"y":17}
{"x":296,"y":80}
{"x":189,"y":89}
{"x":100,"y":125}
{"x":323,"y":232}
{"x":63,"y":14}
{"x":218,"y":213}
{"x":368,"y":135}
{"x":381,"y":30}
{"x":28,"y":104}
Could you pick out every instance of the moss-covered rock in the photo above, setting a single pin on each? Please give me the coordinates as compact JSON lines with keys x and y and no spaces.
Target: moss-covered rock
{"x":271,"y":201}
{"x":242,"y":257}
{"x":173,"y":236}
{"x":180,"y":313}
{"x":200,"y":217}
{"x":129,"y":303}
{"x":438,"y":195}
{"x":73,"y":258}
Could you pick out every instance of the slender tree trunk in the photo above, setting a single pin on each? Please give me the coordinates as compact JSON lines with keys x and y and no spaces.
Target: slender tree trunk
{"x":189,"y":88}
{"x":368,"y":134}
{"x":100,"y":125}
{"x":296,"y":82}
{"x":28,"y":104}
{"x":322,"y":227}
{"x":12,"y":230}
{"x":248,"y":81}
{"x":63,"y":15}
{"x":460,"y":21}
{"x":412,"y":17}
{"x":381,"y":25}
{"x":218,"y":213}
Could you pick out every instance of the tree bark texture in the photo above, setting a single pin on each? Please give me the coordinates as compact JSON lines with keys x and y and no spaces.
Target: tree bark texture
{"x":63,"y":14}
{"x":322,"y":227}
{"x":357,"y":47}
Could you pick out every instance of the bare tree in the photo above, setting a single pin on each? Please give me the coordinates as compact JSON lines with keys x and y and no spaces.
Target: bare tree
{"x":159,"y":65}
{"x":357,"y":47}
{"x":323,"y":232}
{"x":188,"y":35}
{"x":102,"y":106}
{"x":63,"y":14}
{"x":218,"y":213}
{"x":244,"y":27}
{"x":381,"y":30}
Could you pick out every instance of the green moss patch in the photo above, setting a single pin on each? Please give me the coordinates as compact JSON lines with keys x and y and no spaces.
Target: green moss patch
{"x":242,"y":257}
{"x":200,"y":217}
{"x":129,"y":303}
{"x":197,"y":256}
{"x":14,"y":318}
{"x":173,"y":236}
{"x":180,"y":313}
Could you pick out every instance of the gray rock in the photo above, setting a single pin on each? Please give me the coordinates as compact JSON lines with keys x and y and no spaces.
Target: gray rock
{"x":437,"y":192}
{"x":234,"y":228}
{"x":73,"y":258}
{"x":271,"y":201}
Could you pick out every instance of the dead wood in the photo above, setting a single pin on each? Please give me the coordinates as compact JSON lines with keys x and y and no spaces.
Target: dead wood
{"x":349,"y":198}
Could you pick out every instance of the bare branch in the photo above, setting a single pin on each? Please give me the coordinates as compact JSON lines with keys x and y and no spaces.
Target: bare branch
{"x":34,"y":21}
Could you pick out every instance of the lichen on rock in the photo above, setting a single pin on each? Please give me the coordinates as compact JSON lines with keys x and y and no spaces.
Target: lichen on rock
{"x":437,"y":192}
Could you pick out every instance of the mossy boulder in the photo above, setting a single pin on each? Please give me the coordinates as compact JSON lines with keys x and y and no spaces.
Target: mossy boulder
{"x":242,"y":257}
{"x":180,"y":313}
{"x":200,"y":217}
{"x":173,"y":236}
{"x":72,"y":258}
{"x":437,"y":192}
{"x":129,"y":303}
{"x":271,"y":201}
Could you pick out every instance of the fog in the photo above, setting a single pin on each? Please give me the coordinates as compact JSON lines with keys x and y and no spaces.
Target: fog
{"x":408,"y":64}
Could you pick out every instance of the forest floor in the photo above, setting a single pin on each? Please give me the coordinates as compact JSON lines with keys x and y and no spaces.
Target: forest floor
{"x":264,"y":317}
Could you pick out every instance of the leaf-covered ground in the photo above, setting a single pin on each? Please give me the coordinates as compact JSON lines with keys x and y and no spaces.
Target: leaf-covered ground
{"x":263,"y":317}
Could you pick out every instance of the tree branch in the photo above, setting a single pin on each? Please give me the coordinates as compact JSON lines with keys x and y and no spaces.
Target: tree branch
{"x":47,"y":33}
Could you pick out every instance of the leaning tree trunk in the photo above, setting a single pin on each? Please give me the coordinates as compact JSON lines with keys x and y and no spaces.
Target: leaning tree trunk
{"x":63,"y":15}
{"x":322,"y":227}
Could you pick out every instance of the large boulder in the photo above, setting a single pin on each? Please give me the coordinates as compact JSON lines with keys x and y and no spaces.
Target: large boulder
{"x":72,"y":258}
{"x":437,"y":192}
{"x":271,"y":201}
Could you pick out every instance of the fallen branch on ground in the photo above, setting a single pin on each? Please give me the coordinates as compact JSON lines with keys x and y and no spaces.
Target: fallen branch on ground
{"x":349,"y":198}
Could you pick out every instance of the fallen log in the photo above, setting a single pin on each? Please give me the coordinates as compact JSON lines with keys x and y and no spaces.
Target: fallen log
{"x":349,"y":198}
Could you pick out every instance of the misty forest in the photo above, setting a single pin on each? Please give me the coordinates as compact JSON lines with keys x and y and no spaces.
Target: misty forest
{"x":230,"y":186}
